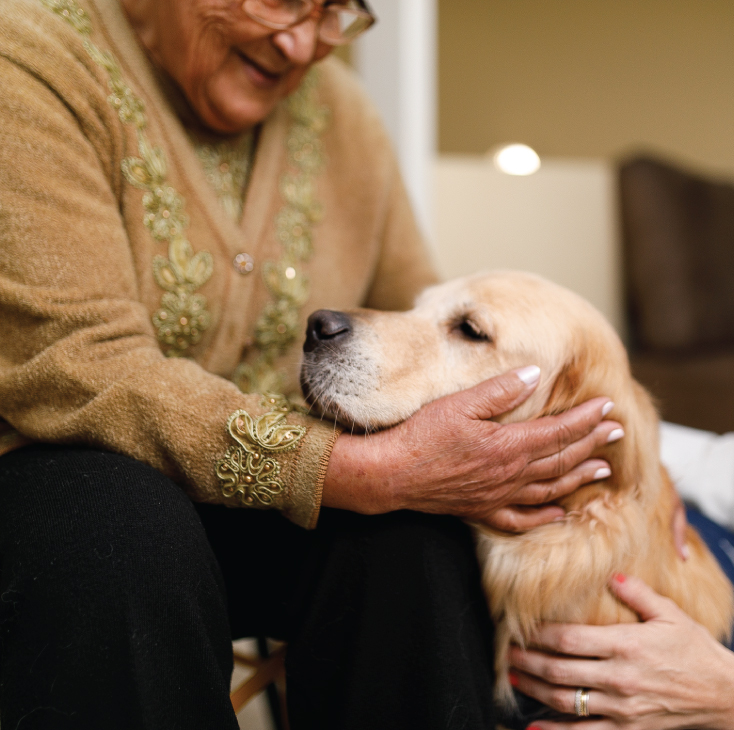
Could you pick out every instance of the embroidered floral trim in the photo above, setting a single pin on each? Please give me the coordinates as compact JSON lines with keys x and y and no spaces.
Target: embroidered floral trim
{"x":183,"y":315}
{"x":277,"y":327}
{"x":227,"y":167}
{"x":248,"y":471}
{"x":72,"y":13}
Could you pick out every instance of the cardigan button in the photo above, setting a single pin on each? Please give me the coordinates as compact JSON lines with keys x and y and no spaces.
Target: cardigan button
{"x":243,"y":263}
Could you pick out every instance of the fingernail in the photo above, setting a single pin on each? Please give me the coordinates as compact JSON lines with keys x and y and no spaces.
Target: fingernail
{"x":620,"y":577}
{"x":529,"y":375}
{"x":602,"y":472}
{"x":615,"y":435}
{"x":514,"y":679}
{"x":533,"y":727}
{"x":686,"y":552}
{"x":607,"y":408}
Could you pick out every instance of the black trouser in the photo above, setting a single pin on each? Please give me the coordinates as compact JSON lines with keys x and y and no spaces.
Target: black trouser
{"x":119,"y":599}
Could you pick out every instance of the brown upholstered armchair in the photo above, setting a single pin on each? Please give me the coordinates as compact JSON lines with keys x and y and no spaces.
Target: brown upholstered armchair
{"x":679,"y":270}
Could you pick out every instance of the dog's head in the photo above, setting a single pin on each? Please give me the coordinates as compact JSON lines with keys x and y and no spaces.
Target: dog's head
{"x":372,"y":369}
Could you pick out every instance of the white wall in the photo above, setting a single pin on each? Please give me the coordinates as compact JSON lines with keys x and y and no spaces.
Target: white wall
{"x":396,"y":60}
{"x":560,"y":223}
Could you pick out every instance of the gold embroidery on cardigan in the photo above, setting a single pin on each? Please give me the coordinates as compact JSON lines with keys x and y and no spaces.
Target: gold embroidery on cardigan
{"x":227,"y":167}
{"x":248,"y":471}
{"x":72,"y":13}
{"x":277,"y":327}
{"x":182,"y":315}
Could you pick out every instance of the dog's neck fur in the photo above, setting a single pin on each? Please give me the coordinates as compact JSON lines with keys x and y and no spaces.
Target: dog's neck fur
{"x":600,"y":367}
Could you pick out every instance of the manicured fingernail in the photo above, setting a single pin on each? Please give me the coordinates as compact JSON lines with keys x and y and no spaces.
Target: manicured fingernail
{"x":686,"y":552}
{"x":615,"y":435}
{"x":602,"y":473}
{"x":529,"y":375}
{"x":514,"y":679}
{"x":532,"y":727}
{"x":620,"y":577}
{"x":607,"y":408}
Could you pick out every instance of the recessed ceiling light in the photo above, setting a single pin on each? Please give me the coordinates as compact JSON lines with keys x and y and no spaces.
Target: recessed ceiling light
{"x":517,"y":159}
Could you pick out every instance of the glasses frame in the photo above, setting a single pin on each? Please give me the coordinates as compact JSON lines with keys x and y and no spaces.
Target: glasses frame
{"x":367,"y":13}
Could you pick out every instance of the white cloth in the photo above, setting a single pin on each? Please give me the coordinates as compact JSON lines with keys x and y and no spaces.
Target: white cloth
{"x":701,"y":465}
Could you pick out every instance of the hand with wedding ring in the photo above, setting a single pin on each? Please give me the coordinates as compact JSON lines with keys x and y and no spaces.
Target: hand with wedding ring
{"x":581,"y":703}
{"x":664,"y":673}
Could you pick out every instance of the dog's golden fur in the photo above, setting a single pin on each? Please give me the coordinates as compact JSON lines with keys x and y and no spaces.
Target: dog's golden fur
{"x":558,"y":572}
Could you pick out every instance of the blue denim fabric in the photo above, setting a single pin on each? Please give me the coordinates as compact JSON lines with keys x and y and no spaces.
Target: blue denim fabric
{"x":720,"y":542}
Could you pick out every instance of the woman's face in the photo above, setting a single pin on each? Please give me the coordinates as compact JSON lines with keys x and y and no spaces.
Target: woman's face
{"x":232,"y":69}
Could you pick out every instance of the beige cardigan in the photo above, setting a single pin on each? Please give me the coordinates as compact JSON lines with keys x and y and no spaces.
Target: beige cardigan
{"x":122,"y":316}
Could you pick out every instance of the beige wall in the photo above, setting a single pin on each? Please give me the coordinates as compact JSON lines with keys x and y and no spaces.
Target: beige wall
{"x":589,"y":78}
{"x":560,"y":223}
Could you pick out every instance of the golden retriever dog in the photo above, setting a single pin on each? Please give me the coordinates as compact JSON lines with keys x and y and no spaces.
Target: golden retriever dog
{"x":373,"y":369}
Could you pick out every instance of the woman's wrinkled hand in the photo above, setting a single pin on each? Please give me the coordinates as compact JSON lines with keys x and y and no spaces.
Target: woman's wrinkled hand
{"x":666,"y":672}
{"x":449,"y":458}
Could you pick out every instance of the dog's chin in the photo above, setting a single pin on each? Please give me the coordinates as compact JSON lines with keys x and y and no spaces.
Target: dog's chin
{"x":330,"y":409}
{"x":337,"y":415}
{"x":331,"y":412}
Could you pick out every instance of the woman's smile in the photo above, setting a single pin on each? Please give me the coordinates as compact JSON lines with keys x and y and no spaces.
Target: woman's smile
{"x":259,"y":75}
{"x":232,"y":69}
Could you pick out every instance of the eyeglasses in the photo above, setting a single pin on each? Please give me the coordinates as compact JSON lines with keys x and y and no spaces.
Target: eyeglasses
{"x":338,"y":22}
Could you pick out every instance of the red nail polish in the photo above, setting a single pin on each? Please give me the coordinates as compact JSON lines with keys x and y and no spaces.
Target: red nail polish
{"x":532,"y":727}
{"x":514,"y":681}
{"x":620,"y":577}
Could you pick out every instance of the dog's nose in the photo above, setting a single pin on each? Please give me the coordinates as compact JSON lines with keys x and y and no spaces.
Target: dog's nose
{"x":326,"y":326}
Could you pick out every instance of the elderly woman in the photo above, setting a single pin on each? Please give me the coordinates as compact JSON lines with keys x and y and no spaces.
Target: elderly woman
{"x":179,"y":186}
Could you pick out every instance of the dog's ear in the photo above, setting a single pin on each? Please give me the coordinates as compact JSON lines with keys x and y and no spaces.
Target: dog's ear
{"x":586,"y":373}
{"x":596,"y":369}
{"x":568,"y":387}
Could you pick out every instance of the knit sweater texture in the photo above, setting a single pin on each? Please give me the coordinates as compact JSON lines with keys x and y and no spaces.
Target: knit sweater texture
{"x":127,"y":304}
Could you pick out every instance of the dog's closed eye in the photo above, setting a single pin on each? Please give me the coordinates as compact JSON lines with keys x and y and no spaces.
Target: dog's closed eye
{"x":470,"y":330}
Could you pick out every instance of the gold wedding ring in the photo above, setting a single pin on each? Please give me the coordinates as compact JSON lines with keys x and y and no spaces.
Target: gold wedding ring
{"x":581,"y":702}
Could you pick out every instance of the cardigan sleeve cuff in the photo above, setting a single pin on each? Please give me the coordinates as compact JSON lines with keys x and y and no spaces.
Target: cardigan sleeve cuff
{"x":277,"y":460}
{"x":306,"y":485}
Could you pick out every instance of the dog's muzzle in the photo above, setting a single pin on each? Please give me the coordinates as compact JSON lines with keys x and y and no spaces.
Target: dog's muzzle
{"x":326,"y":327}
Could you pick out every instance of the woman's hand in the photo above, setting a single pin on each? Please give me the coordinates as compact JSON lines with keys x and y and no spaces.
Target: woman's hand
{"x":667,"y":672}
{"x":449,"y":458}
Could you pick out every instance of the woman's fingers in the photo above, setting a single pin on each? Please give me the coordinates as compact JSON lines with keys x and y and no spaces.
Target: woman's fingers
{"x":615,"y":710}
{"x":556,"y":671}
{"x":537,"y":493}
{"x":560,"y":462}
{"x":498,"y":395}
{"x":579,"y":640}
{"x":551,"y":435}
{"x":601,"y":642}
{"x":643,"y":600}
{"x":530,"y":508}
{"x":522,"y":519}
{"x":561,"y":697}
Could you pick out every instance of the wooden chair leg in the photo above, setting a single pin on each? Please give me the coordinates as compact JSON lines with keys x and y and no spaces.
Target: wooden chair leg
{"x":276,"y":698}
{"x":267,"y":671}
